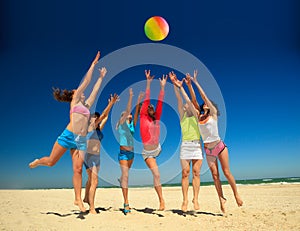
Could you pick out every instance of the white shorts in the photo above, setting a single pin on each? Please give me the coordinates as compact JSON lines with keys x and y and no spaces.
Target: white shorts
{"x":191,"y":150}
{"x":152,"y":153}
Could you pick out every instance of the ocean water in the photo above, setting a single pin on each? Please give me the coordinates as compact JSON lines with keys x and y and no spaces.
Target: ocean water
{"x":285,"y":180}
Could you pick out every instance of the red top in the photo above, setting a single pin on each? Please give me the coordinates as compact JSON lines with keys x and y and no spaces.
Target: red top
{"x":149,"y":129}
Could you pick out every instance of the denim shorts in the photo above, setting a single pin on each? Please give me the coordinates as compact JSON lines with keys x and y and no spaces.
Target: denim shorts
{"x":91,"y":160}
{"x":125,"y":155}
{"x":70,"y":140}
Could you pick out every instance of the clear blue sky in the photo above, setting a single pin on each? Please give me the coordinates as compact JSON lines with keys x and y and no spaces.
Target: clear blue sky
{"x":252,"y":49}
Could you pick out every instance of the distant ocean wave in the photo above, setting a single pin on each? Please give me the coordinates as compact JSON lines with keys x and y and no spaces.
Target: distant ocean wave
{"x":285,"y":180}
{"x":266,"y":179}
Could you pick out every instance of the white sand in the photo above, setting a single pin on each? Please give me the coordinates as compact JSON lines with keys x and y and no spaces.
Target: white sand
{"x":266,"y":207}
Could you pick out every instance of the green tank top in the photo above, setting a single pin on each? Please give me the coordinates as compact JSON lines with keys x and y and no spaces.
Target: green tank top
{"x":189,"y":128}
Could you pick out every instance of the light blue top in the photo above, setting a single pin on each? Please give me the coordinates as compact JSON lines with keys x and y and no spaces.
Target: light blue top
{"x":95,"y":134}
{"x":126,"y":132}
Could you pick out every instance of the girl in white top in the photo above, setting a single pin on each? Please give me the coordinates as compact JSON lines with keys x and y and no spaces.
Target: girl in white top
{"x":214,"y":147}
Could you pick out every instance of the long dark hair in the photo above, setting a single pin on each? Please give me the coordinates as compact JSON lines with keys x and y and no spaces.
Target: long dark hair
{"x":151,"y":116}
{"x":62,"y":95}
{"x":96,"y":115}
{"x":213,"y":103}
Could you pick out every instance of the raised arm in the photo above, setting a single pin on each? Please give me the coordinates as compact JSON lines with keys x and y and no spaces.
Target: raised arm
{"x":87,"y":79}
{"x":90,"y":101}
{"x":213,"y":110}
{"x":177,"y":94}
{"x":128,"y":108}
{"x":161,"y":95}
{"x":103,"y":117}
{"x":137,"y":108}
{"x":147,"y":93}
{"x":188,"y":81}
{"x":188,"y":101}
{"x":103,"y":122}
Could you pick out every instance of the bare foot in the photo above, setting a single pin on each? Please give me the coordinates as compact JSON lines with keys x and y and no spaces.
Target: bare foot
{"x":222,"y":204}
{"x":86,"y":200}
{"x":80,"y":206}
{"x":92,"y":211}
{"x":238,"y":200}
{"x":196,"y":204}
{"x":161,"y":206}
{"x":184,"y":206}
{"x":34,"y":163}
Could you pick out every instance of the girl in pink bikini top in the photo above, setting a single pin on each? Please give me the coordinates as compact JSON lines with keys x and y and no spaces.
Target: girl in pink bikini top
{"x":80,"y":109}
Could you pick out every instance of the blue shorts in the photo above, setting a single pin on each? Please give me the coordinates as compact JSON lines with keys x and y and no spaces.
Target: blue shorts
{"x":125,"y":155}
{"x":69,"y":140}
{"x":91,"y":160}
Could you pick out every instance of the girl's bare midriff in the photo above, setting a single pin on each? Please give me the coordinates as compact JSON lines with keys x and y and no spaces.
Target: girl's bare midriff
{"x":93,"y":146}
{"x":126,"y":148}
{"x":150,"y":147}
{"x":78,"y":124}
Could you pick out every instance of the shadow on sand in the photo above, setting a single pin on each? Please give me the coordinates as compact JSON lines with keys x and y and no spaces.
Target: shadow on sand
{"x":80,"y":215}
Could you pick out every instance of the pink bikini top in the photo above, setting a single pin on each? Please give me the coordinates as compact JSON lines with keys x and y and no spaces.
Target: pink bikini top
{"x":80,"y":109}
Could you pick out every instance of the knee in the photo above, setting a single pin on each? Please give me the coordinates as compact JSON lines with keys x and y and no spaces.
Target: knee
{"x":227,"y":173}
{"x":125,"y":174}
{"x":196,"y":173}
{"x":77,"y":170}
{"x":185,"y":174}
{"x":51,"y":163}
{"x":216,"y":176}
{"x":156,"y":174}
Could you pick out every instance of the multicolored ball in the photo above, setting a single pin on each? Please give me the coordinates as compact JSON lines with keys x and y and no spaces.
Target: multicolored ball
{"x":156,"y":28}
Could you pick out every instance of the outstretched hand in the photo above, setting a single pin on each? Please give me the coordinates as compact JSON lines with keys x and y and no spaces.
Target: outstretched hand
{"x":188,"y":79}
{"x":194,"y":78}
{"x":96,"y":58}
{"x":113,"y":98}
{"x":103,"y":72}
{"x":173,"y":76}
{"x":163,"y":80}
{"x":174,"y":79}
{"x":148,"y":76}
{"x":141,"y":96}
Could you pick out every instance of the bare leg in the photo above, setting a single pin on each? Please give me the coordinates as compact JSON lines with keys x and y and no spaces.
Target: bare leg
{"x":125,"y":166}
{"x":151,"y":163}
{"x":224,"y":160}
{"x":56,"y":153}
{"x":213,"y":165}
{"x":77,"y":159}
{"x":87,"y":186}
{"x":185,"y":166}
{"x":196,"y":181}
{"x":92,"y":192}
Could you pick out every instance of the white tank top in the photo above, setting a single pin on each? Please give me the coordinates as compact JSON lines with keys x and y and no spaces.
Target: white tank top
{"x":209,"y":130}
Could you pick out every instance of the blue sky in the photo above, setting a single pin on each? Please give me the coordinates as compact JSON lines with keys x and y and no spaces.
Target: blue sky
{"x":252,"y":49}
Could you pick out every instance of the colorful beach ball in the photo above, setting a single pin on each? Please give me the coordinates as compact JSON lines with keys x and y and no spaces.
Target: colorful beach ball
{"x":156,"y":28}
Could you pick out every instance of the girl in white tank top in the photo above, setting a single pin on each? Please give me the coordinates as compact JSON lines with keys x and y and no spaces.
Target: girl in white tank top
{"x":214,"y":147}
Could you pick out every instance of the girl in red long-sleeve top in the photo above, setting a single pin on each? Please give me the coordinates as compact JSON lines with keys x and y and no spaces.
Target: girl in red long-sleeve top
{"x":150,"y":132}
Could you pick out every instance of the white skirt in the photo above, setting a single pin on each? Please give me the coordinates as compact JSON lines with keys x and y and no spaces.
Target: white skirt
{"x":191,"y":150}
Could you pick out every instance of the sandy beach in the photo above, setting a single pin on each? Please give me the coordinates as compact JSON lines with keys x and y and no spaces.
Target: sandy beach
{"x":266,"y":207}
